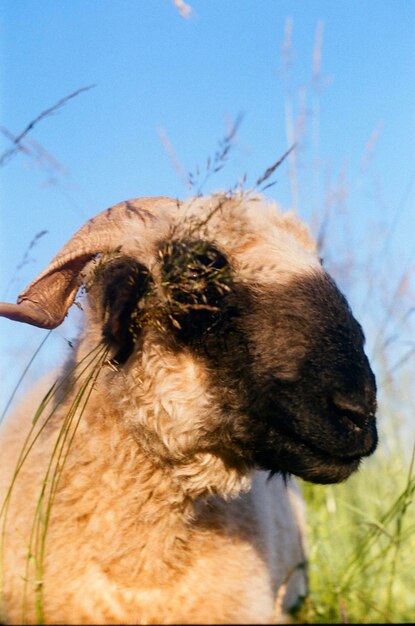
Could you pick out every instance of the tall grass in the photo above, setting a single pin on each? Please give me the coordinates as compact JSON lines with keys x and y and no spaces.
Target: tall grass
{"x":362,"y":546}
{"x":77,"y":384}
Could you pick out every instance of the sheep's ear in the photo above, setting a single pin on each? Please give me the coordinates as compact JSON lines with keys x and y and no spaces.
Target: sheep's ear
{"x":123,"y":284}
{"x":196,"y":278}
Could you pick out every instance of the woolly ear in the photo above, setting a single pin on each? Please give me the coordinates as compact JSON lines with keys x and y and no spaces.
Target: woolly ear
{"x":120,"y":287}
{"x":196,"y":276}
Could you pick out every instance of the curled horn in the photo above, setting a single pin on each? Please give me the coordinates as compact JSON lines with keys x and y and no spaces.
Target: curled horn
{"x":46,"y":300}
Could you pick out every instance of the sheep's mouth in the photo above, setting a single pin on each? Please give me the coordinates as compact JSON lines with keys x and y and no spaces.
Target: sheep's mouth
{"x":289,"y":453}
{"x":327,"y":452}
{"x":315,"y":466}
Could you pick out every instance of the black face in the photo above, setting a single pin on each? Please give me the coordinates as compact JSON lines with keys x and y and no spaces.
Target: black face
{"x":291,"y":362}
{"x":286,"y":364}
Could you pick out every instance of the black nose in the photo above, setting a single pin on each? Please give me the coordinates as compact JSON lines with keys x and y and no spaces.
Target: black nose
{"x":358,"y":410}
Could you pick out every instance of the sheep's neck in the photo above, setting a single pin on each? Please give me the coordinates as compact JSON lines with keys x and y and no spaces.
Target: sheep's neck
{"x":132,"y":506}
{"x":129,"y":509}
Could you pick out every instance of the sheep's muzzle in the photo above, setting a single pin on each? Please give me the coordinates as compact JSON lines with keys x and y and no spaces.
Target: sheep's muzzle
{"x":295,"y":383}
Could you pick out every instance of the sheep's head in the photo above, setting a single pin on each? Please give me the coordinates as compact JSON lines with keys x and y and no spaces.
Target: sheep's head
{"x":238,"y":288}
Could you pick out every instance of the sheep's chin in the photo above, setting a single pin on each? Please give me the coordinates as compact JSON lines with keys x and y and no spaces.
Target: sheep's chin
{"x":315,"y":470}
{"x":325,"y":473}
{"x":290,"y":455}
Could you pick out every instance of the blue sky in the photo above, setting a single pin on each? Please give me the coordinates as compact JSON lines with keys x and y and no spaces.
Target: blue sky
{"x":161,"y":78}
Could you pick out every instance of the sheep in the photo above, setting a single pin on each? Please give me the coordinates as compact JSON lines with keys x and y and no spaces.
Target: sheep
{"x":223,"y":359}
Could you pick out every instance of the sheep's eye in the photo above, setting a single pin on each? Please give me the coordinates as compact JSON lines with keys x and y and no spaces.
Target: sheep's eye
{"x":193,"y":270}
{"x":196,"y":277}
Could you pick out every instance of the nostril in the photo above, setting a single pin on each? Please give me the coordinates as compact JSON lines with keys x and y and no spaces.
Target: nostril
{"x":354,"y":410}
